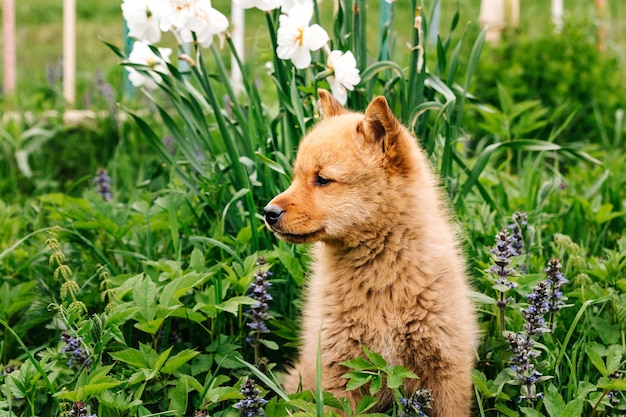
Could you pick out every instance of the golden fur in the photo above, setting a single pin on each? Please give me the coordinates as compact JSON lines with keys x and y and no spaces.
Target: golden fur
{"x":387,"y":270}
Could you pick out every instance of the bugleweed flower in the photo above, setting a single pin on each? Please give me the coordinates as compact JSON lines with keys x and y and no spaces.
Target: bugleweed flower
{"x":503,"y":251}
{"x":345,"y":74}
{"x":258,"y":312}
{"x":79,"y":409}
{"x":73,"y":348}
{"x":296,"y":39}
{"x":103,"y":184}
{"x":521,"y":362}
{"x":557,"y":280}
{"x":545,"y":296}
{"x":538,"y":306}
{"x":520,"y":220}
{"x":417,"y":405}
{"x":143,"y":55}
{"x":252,"y":403}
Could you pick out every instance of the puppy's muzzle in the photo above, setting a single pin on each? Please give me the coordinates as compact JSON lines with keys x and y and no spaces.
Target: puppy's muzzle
{"x":273,"y":213}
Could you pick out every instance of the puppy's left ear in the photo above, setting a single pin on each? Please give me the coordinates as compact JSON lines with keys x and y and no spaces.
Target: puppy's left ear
{"x":380,"y":124}
{"x":329,"y":106}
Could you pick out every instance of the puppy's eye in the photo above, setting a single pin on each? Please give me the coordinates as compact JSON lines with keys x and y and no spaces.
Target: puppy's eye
{"x":322,"y":181}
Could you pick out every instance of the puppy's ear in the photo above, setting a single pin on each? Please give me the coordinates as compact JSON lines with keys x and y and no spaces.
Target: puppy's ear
{"x":329,"y":106}
{"x":380,"y":124}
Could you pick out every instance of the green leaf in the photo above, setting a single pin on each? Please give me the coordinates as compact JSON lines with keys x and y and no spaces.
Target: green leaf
{"x":574,"y":408}
{"x":161,"y":359}
{"x":616,"y":384}
{"x":396,"y":376}
{"x":365,"y":404}
{"x":480,"y":298}
{"x":356,"y":379}
{"x":179,"y":397}
{"x":360,"y":364}
{"x":150,"y":327}
{"x":553,"y":401}
{"x":196,"y":260}
{"x":178,"y":360}
{"x":145,"y":294}
{"x":292,"y":263}
{"x":171,"y":293}
{"x":530,"y":412}
{"x":273,"y":165}
{"x":132,"y":357}
{"x":596,"y":359}
{"x":502,"y":408}
{"x":377,"y":384}
{"x":270,"y":344}
{"x":232,"y":304}
{"x":375,"y":358}
{"x":613,"y":358}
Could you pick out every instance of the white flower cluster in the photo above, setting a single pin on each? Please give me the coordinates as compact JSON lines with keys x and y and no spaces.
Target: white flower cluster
{"x":296,"y":37}
{"x":146,"y":19}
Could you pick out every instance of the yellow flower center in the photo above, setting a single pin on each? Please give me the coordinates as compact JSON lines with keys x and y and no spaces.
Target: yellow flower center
{"x":299,"y":37}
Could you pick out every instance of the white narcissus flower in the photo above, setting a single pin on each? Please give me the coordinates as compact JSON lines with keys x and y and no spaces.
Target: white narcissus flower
{"x":142,"y":54}
{"x":265,"y":5}
{"x":345,"y":74}
{"x":175,"y":13}
{"x":287,"y":5}
{"x":296,"y":39}
{"x":142,"y":19}
{"x":205,"y":22}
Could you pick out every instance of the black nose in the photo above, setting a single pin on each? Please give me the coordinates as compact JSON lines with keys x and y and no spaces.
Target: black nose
{"x":272,"y":214}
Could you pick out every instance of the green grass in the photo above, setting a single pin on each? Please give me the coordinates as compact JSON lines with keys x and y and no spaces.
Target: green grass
{"x":39,"y":38}
{"x":156,"y":281}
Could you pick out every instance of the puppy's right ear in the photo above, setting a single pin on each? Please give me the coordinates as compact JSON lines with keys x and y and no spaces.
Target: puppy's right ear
{"x":329,"y":106}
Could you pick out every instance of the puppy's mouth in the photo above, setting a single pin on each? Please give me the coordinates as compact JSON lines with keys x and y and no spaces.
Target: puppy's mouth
{"x":299,"y":237}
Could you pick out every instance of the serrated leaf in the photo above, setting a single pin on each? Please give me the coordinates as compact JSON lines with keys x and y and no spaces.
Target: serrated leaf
{"x":376,"y":385}
{"x":145,"y":294}
{"x":553,"y":401}
{"x":179,"y":397}
{"x":360,"y":364}
{"x":356,"y":379}
{"x":530,"y":412}
{"x":503,"y":409}
{"x":150,"y":327}
{"x":365,"y":404}
{"x":375,"y":358}
{"x":132,"y":357}
{"x":613,"y":358}
{"x":158,"y":364}
{"x":616,"y":384}
{"x":573,"y":409}
{"x":178,"y":360}
{"x":596,"y":359}
{"x":396,"y":375}
{"x":196,"y":260}
{"x":232,"y":304}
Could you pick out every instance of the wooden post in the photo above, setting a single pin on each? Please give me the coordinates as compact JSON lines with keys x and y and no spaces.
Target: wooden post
{"x":557,"y":15}
{"x":498,"y":15}
{"x":69,"y":51}
{"x":601,"y":30}
{"x":8,"y":34}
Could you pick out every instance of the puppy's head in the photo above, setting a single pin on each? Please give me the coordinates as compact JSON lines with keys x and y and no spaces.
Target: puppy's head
{"x":343,"y":175}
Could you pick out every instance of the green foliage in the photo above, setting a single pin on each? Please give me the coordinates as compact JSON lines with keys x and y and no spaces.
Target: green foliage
{"x":152,"y":287}
{"x":578,"y":86}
